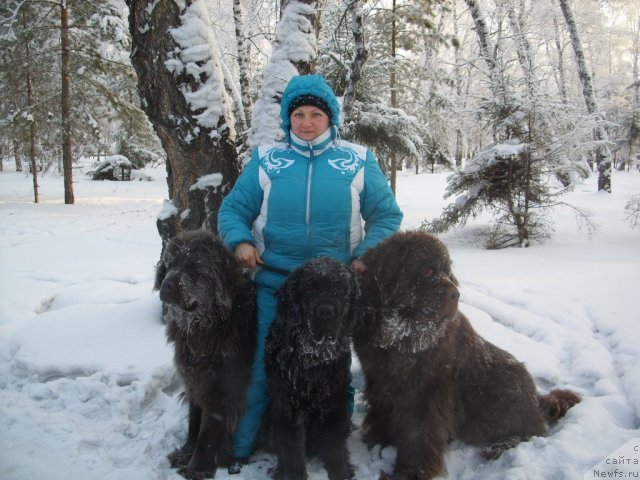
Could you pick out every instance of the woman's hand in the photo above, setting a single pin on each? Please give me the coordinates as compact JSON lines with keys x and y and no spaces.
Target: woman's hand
{"x":247,"y":255}
{"x":359,"y":266}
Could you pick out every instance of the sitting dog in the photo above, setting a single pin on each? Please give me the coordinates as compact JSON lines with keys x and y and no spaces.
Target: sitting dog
{"x":307,"y":361}
{"x":209,"y":311}
{"x":430,"y":378}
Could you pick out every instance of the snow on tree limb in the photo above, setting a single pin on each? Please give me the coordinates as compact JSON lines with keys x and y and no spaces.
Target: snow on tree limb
{"x":198,"y":57}
{"x":295,"y":43}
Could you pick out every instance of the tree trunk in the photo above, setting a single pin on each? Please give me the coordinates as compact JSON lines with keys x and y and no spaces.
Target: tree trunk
{"x":355,"y":68}
{"x":244,"y":75}
{"x":523,"y":49}
{"x":394,"y":99}
{"x":17,"y":155}
{"x":487,"y":51}
{"x":458,"y":84}
{"x":562,"y":83}
{"x":32,"y":126}
{"x":486,"y":45}
{"x":634,"y":128}
{"x":202,"y":163}
{"x":603,"y":155}
{"x":65,"y":105}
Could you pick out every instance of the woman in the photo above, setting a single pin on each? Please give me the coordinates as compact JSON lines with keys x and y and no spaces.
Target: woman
{"x":297,"y":200}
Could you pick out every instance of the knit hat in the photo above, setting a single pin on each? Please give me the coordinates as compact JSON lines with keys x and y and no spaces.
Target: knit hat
{"x":309,"y":100}
{"x":307,"y":88}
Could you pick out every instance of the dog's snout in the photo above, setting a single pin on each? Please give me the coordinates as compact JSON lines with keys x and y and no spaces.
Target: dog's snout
{"x":450,"y":297}
{"x":325,"y":322}
{"x":170,"y":289}
{"x":325,"y":310}
{"x":452,"y":293}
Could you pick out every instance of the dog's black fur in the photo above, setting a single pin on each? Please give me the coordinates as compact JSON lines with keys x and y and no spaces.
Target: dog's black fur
{"x":209,"y":311}
{"x":430,"y":378}
{"x":307,"y":361}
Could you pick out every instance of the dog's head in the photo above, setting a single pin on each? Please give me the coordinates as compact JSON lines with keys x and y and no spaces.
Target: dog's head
{"x":197,"y":273}
{"x":321,"y":297}
{"x":409,"y":290}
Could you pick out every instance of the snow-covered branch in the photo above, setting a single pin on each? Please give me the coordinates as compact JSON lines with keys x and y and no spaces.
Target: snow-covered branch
{"x":295,"y":43}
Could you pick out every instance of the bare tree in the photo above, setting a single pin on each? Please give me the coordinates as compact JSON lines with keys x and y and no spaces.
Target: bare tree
{"x":603,"y":154}
{"x":182,"y":91}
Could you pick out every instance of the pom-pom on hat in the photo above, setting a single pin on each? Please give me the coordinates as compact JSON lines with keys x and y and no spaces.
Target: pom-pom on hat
{"x":307,"y":86}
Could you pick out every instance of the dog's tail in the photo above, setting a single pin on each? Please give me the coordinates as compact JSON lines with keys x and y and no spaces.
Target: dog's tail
{"x":556,"y":403}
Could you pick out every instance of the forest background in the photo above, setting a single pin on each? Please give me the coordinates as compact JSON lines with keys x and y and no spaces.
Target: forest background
{"x":523,"y":99}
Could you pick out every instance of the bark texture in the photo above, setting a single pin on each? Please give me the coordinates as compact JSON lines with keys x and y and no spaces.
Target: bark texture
{"x":193,"y":152}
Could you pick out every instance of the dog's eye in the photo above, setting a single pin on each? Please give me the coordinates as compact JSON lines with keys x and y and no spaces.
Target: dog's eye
{"x":427,"y":273}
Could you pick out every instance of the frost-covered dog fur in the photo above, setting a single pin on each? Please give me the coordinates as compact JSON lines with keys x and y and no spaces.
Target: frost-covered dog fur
{"x":307,"y":361}
{"x":430,"y":378}
{"x":209,"y":311}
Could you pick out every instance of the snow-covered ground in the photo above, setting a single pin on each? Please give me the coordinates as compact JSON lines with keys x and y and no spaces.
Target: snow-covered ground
{"x":87,"y":387}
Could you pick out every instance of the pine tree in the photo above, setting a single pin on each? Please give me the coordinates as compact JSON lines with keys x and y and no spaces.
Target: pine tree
{"x":513,"y":176}
{"x":99,"y":101}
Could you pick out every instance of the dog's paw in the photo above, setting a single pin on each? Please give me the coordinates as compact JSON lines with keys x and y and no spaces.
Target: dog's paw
{"x":556,"y":404}
{"x":494,"y":451}
{"x":395,"y":476}
{"x":276,"y":472}
{"x":179,"y":457}
{"x":345,"y":472}
{"x":235,"y":467}
{"x":191,"y":474}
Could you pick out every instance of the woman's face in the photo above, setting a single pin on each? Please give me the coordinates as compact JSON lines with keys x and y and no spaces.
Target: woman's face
{"x":309,"y":122}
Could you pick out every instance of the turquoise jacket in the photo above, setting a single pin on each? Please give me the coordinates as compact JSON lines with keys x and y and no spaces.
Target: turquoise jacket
{"x":299,"y":200}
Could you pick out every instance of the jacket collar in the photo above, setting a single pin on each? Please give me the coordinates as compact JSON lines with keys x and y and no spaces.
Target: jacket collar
{"x":315,"y":146}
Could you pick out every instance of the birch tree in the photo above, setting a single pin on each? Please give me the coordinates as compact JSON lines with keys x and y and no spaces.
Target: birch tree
{"x":243,"y":61}
{"x":603,"y":154}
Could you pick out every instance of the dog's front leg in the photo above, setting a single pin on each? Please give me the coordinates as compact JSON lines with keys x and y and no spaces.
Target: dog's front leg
{"x":181,"y":456}
{"x":332,"y":433}
{"x":289,"y":440}
{"x":204,"y":461}
{"x":425,"y":438}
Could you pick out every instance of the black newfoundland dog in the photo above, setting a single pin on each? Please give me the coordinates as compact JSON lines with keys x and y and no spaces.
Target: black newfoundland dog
{"x":307,"y":361}
{"x":209,"y":311}
{"x":430,"y":378}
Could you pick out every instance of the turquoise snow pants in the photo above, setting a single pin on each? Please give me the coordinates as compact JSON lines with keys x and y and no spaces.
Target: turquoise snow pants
{"x":257,"y":396}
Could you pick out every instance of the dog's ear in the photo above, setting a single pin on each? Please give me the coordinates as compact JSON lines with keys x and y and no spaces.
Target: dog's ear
{"x":289,"y":301}
{"x":161,"y":272}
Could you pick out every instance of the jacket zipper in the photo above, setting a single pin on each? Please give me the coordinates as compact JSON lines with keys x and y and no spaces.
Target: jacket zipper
{"x":308,"y":202}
